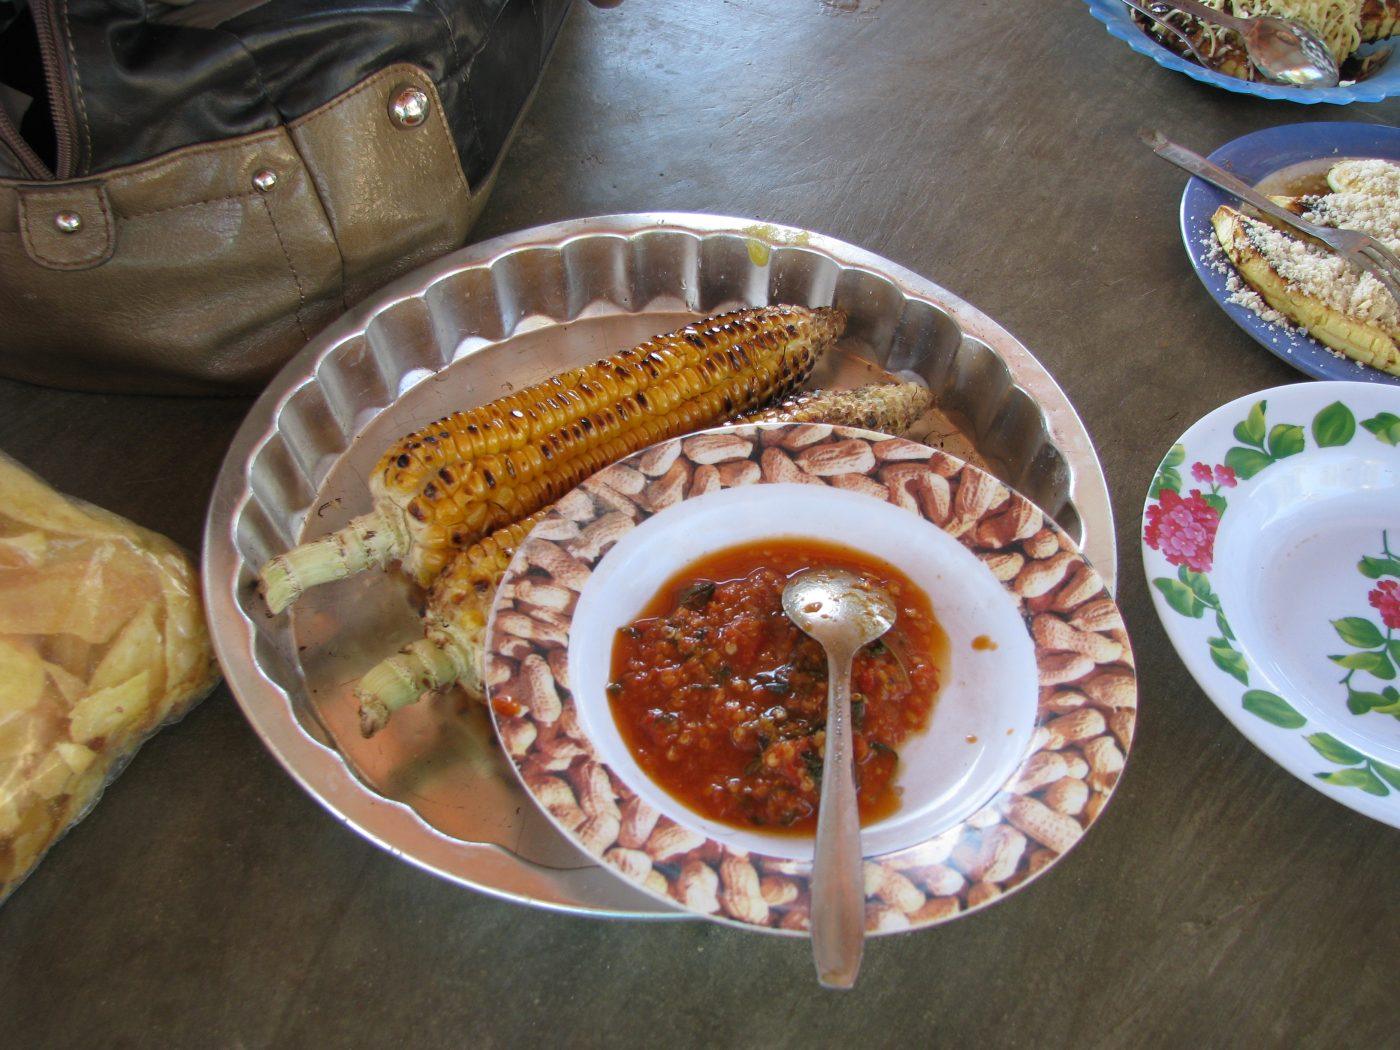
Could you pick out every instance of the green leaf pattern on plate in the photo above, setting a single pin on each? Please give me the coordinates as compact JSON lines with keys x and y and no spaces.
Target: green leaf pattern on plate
{"x":1251,"y":430}
{"x":1385,"y":426}
{"x":1378,"y":651}
{"x":1168,"y":476}
{"x":1361,"y":778}
{"x":1332,"y":749}
{"x":1286,"y":440}
{"x":1358,"y":632}
{"x":1272,"y":708}
{"x":1375,"y":568}
{"x":1254,"y":452}
{"x":1180,"y":597}
{"x":1389,"y":774}
{"x":1334,"y":425}
{"x":1229,"y":659}
{"x":1246,"y":462}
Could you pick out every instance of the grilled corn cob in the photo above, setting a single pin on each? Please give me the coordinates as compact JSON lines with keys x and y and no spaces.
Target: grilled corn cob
{"x":460,"y":601}
{"x":443,"y":487}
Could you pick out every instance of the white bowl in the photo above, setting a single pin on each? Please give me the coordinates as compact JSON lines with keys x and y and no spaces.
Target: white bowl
{"x":982,"y":722}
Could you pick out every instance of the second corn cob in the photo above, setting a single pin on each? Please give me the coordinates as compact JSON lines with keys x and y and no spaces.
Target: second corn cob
{"x":443,"y":487}
{"x":459,"y":603}
{"x":890,"y":408}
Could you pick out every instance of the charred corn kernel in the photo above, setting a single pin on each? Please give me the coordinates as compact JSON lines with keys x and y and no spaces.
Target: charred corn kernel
{"x":443,"y":487}
{"x":891,"y":408}
{"x":452,"y":649}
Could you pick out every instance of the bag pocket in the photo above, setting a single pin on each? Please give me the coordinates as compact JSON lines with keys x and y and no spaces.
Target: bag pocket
{"x":203,"y":270}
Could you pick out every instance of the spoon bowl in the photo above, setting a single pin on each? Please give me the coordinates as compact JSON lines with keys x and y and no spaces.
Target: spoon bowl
{"x":843,"y":612}
{"x":838,"y":608}
{"x":1290,"y":53}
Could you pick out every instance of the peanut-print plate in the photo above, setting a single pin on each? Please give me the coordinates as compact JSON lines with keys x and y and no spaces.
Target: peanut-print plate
{"x":1271,"y":538}
{"x":1027,"y":740}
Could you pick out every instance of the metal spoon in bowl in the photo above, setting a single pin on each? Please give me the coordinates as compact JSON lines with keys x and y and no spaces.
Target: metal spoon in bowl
{"x":1282,"y":49}
{"x":843,"y":612}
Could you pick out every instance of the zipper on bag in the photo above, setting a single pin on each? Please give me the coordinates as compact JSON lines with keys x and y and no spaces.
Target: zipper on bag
{"x":33,"y":166}
{"x":51,"y":55}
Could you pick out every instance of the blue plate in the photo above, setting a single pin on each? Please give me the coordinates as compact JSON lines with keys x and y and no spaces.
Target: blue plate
{"x":1119,"y":22}
{"x":1252,"y":158}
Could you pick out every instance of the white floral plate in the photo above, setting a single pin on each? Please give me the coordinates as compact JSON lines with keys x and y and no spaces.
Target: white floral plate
{"x":1027,"y":740}
{"x":1271,"y":538}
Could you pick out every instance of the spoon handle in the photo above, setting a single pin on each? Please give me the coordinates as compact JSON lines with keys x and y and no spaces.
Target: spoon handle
{"x":838,"y":881}
{"x":1203,"y":169}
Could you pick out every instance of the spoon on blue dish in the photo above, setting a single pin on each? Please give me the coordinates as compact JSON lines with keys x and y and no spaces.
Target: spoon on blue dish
{"x":1284,"y":50}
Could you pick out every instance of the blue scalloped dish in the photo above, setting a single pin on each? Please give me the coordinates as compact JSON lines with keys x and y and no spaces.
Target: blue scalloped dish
{"x":1118,"y":20}
{"x":1253,"y":158}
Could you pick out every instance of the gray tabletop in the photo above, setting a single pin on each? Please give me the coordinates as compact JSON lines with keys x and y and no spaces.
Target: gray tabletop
{"x":990,"y":146}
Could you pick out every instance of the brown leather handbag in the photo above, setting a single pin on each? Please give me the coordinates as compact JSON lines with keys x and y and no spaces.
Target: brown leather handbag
{"x":188,"y":192}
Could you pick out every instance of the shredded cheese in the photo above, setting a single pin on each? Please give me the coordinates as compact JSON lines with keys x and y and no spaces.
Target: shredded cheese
{"x":1356,"y":211}
{"x":1240,"y":293}
{"x":1368,"y":203}
{"x":1325,"y":276}
{"x":1375,"y":178}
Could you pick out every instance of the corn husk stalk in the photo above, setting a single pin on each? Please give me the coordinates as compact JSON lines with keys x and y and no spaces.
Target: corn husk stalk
{"x":454,"y":629}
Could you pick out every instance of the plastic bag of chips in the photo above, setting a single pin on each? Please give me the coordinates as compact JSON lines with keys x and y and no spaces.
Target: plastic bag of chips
{"x":102,"y":641}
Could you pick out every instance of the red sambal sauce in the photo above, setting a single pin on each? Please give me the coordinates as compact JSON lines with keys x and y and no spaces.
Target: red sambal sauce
{"x":722,"y":699}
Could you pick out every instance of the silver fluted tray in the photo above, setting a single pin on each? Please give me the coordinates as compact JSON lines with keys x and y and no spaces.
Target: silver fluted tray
{"x":433,"y":788}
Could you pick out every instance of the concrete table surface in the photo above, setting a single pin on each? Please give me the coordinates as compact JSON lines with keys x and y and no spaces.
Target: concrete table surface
{"x":208,"y":902}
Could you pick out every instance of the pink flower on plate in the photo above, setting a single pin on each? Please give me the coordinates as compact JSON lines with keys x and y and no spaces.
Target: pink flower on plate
{"x":1385,"y":596}
{"x":1221,"y":476}
{"x":1183,"y":529}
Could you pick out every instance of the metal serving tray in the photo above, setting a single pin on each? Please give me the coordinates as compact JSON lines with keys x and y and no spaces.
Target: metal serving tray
{"x":432,"y":788}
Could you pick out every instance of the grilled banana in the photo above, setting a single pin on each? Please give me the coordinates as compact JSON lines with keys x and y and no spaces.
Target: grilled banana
{"x":1272,"y":263}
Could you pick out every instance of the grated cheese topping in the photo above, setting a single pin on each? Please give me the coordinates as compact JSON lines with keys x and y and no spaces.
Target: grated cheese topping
{"x":1325,"y":276}
{"x":1377,"y":216}
{"x":1368,"y":200}
{"x":1377,"y":178}
{"x":1241,"y":294}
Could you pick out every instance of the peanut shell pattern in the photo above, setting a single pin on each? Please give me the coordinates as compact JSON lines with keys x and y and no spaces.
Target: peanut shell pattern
{"x":1084,"y":718}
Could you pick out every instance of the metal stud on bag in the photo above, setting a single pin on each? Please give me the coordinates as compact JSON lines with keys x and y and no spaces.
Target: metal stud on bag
{"x":408,"y":107}
{"x":264,"y":180}
{"x":68,"y":221}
